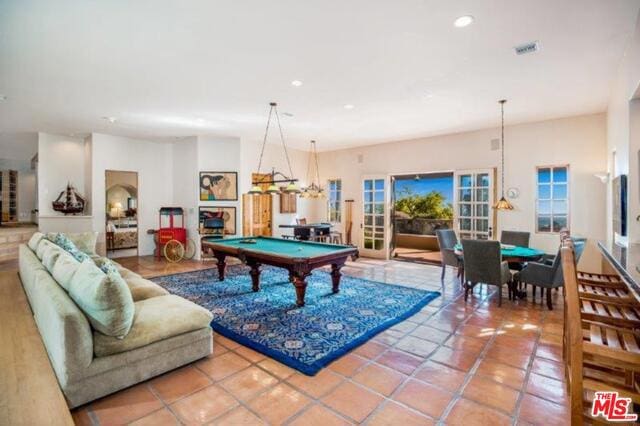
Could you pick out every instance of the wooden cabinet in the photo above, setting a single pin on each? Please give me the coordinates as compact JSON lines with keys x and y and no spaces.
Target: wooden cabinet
{"x":9,"y":195}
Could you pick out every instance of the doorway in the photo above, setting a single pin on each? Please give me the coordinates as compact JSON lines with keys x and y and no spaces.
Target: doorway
{"x":422,"y":203}
{"x":257,"y":210}
{"x":121,"y":207}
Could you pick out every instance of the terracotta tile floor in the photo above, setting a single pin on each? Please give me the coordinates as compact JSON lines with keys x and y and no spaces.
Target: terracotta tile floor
{"x":452,"y":363}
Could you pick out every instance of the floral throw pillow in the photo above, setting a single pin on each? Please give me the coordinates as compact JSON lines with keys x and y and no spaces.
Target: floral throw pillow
{"x":65,"y":243}
{"x":106,"y":266}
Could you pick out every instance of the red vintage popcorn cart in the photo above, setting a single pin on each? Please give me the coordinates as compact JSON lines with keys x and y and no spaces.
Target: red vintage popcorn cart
{"x":171,"y":239}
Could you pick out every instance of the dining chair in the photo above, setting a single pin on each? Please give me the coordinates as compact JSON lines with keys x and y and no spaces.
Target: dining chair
{"x":335,"y":237}
{"x":545,"y":276}
{"x":515,"y":238}
{"x":483,"y":265}
{"x":301,"y":221}
{"x":447,"y":240}
{"x":321,"y":235}
{"x":597,"y":356}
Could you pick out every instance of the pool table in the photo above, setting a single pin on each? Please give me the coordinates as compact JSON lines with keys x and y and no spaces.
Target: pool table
{"x":298,"y":257}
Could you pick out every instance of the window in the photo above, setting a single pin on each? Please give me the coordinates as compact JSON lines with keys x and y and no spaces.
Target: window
{"x":335,"y":197}
{"x":552,"y":205}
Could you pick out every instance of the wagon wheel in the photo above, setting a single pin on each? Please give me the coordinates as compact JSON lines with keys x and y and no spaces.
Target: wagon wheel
{"x":189,"y":249}
{"x":173,"y":251}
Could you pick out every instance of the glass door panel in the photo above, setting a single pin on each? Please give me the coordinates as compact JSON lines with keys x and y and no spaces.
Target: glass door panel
{"x":374,"y":216}
{"x":474,"y":198}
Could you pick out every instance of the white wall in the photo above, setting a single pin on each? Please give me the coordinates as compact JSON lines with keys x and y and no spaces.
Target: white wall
{"x":619,"y":139}
{"x":61,"y":160}
{"x":185,"y":183}
{"x":154,"y":165}
{"x":577,"y":141}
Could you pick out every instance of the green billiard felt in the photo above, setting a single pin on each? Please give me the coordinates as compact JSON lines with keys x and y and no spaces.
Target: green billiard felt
{"x":281,"y":247}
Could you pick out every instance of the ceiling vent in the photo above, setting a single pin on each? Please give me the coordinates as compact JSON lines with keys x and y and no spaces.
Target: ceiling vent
{"x":495,"y":144}
{"x":531,"y":47}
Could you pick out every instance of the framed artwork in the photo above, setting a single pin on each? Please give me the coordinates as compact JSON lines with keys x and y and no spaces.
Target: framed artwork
{"x":288,"y":203}
{"x":218,"y":186}
{"x":208,"y":214}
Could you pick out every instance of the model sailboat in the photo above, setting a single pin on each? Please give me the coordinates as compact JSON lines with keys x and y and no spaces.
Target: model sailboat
{"x":69,"y":201}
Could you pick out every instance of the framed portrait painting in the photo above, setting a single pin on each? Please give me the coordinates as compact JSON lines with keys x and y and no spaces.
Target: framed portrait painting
{"x":208,"y":217}
{"x":218,"y":186}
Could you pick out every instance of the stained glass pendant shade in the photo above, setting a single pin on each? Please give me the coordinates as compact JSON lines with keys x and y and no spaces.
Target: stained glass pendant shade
{"x":314,"y":190}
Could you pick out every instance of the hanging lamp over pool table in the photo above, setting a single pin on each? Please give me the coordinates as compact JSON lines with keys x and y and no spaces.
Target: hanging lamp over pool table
{"x":275,"y":177}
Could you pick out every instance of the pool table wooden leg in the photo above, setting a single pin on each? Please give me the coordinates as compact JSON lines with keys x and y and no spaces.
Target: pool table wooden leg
{"x":299,"y":281}
{"x":335,"y":276}
{"x":221,"y":264}
{"x":255,"y":276}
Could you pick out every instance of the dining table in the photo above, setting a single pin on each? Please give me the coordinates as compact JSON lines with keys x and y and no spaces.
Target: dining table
{"x":510,"y":253}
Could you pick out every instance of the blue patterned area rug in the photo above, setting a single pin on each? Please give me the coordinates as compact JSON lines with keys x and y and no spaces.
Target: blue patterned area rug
{"x":306,"y":338}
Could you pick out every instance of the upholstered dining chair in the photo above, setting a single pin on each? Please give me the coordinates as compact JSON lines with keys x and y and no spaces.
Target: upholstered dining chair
{"x":447,"y":240}
{"x":515,"y":238}
{"x":547,"y":276}
{"x":301,"y":221}
{"x":483,"y":265}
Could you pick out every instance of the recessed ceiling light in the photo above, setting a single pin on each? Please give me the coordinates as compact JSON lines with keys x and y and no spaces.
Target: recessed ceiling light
{"x":296,"y":83}
{"x":463,"y":21}
{"x":110,"y":119}
{"x":3,"y":98}
{"x":349,"y":106}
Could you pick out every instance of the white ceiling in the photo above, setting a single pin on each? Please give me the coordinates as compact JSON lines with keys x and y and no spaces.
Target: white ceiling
{"x":176,"y":68}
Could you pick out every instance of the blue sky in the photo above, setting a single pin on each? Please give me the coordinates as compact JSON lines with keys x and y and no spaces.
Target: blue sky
{"x":442,"y":184}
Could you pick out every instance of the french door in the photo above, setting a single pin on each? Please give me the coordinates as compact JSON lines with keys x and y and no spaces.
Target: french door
{"x":374,"y":217}
{"x":474,"y":197}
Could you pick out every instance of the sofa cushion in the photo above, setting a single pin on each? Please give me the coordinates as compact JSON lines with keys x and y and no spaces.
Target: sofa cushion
{"x":126,"y":274}
{"x":142,"y":289}
{"x":156,"y":319}
{"x":104,"y":298}
{"x":64,"y":269}
{"x":50,"y":256}
{"x":34,"y":240}
{"x":43,"y":245}
{"x":84,"y":241}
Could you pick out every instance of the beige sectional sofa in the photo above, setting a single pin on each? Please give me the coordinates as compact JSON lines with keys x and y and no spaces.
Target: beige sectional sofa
{"x":153,"y":331}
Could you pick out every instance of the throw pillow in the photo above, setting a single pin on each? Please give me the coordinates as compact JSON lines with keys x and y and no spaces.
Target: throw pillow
{"x":104,"y":298}
{"x":106,"y":265}
{"x":34,"y":240}
{"x":43,"y":245}
{"x":50,"y":256}
{"x":64,"y":269}
{"x":84,"y":241}
{"x":63,"y":241}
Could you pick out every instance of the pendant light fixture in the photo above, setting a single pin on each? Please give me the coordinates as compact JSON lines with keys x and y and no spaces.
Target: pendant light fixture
{"x":502,"y":204}
{"x":274,"y":177}
{"x":314,"y":190}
